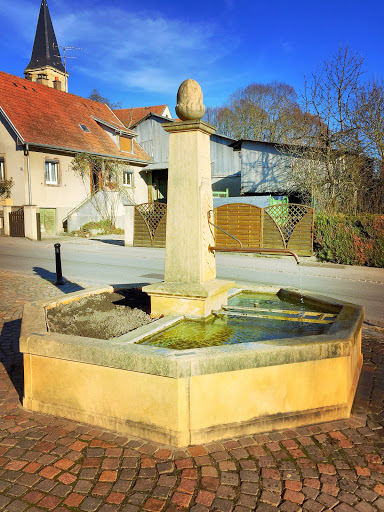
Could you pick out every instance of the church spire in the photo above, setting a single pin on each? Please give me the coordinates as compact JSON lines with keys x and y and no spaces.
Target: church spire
{"x":46,"y":65}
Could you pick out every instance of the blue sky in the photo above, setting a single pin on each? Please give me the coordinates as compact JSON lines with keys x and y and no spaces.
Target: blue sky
{"x":138,"y":53}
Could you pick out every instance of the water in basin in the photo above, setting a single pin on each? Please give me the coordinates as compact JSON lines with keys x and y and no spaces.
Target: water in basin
{"x":227,"y":329}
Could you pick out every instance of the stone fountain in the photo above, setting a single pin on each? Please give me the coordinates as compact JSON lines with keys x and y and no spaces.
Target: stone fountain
{"x":183,"y":397}
{"x":189,"y":285}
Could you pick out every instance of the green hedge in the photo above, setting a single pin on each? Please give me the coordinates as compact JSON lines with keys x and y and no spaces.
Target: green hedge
{"x":350,"y":240}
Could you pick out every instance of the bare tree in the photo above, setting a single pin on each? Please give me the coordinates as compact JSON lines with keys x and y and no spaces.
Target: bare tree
{"x":264,"y":112}
{"x":96,"y":96}
{"x":369,"y":109}
{"x":336,"y":156}
{"x":333,"y":134}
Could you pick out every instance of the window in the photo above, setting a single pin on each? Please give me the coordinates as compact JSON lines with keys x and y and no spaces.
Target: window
{"x":2,"y":169}
{"x":125,"y":144}
{"x":52,"y":172}
{"x":127,"y":178}
{"x":84,"y":128}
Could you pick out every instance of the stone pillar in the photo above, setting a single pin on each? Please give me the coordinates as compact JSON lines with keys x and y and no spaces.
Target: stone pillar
{"x":189,"y":285}
{"x":6,"y":211}
{"x":189,"y":197}
{"x":129,"y":211}
{"x":30,"y":222}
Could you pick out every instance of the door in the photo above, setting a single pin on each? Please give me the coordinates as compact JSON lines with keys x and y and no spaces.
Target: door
{"x":48,"y":221}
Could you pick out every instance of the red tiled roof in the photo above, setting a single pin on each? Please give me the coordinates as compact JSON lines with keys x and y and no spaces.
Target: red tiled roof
{"x":43,"y":115}
{"x":131,"y":116}
{"x":139,"y":152}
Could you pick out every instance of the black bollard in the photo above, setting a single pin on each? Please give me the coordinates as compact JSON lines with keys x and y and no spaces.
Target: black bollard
{"x":59,"y":276}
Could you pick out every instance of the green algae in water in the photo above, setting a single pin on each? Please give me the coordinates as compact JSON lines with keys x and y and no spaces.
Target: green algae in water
{"x":192,"y":334}
{"x":270,"y":300}
{"x":227,"y":330}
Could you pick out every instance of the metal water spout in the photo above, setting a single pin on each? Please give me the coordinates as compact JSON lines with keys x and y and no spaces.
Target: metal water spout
{"x":264,"y":250}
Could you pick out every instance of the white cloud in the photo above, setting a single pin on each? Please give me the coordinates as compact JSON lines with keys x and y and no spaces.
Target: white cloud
{"x":151,"y":80}
{"x":20,"y":19}
{"x":128,"y":50}
{"x":287,"y":46}
{"x":138,"y":51}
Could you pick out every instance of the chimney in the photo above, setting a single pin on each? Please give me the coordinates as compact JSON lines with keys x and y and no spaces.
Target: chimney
{"x":57,"y":85}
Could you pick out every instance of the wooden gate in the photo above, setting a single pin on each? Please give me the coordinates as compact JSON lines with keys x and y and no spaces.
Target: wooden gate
{"x":241,"y":220}
{"x":150,"y":225}
{"x":280,"y":226}
{"x":289,"y":226}
{"x":16,"y":223}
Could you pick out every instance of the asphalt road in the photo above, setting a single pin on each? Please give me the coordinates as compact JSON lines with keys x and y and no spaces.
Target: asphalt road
{"x":104,"y":260}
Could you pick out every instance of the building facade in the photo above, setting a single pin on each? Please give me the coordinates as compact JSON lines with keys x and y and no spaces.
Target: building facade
{"x":43,"y":129}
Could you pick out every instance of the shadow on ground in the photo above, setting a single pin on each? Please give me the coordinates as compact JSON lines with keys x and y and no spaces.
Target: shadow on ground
{"x":10,"y":355}
{"x":67,"y":287}
{"x":109,"y":241}
{"x":118,"y":286}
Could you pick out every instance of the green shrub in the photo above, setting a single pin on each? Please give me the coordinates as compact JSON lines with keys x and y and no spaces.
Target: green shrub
{"x":105,"y":227}
{"x":351,"y":240}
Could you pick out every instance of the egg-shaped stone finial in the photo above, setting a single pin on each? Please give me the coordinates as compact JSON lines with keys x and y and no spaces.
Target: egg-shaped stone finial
{"x":190,"y":105}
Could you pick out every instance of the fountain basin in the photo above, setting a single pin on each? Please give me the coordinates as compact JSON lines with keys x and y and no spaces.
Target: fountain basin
{"x":183,"y":397}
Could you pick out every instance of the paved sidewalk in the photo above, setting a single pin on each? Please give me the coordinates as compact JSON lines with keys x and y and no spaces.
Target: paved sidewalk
{"x":48,"y":463}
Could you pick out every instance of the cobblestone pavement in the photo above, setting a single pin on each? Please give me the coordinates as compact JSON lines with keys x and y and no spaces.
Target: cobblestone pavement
{"x":48,"y":463}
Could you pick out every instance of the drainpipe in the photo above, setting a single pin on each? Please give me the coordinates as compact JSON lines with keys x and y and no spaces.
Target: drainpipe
{"x":26,"y":153}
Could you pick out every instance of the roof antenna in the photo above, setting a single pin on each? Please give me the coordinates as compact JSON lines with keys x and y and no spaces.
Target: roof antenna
{"x":65,"y":57}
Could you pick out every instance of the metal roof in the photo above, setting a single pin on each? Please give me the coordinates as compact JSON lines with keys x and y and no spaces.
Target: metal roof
{"x":45,"y":49}
{"x":156,"y":166}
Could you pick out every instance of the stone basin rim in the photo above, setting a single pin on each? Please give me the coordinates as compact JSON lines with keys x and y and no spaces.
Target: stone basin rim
{"x":123,"y":352}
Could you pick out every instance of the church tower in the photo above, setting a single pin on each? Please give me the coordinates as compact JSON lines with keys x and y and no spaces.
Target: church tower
{"x":46,"y":66}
